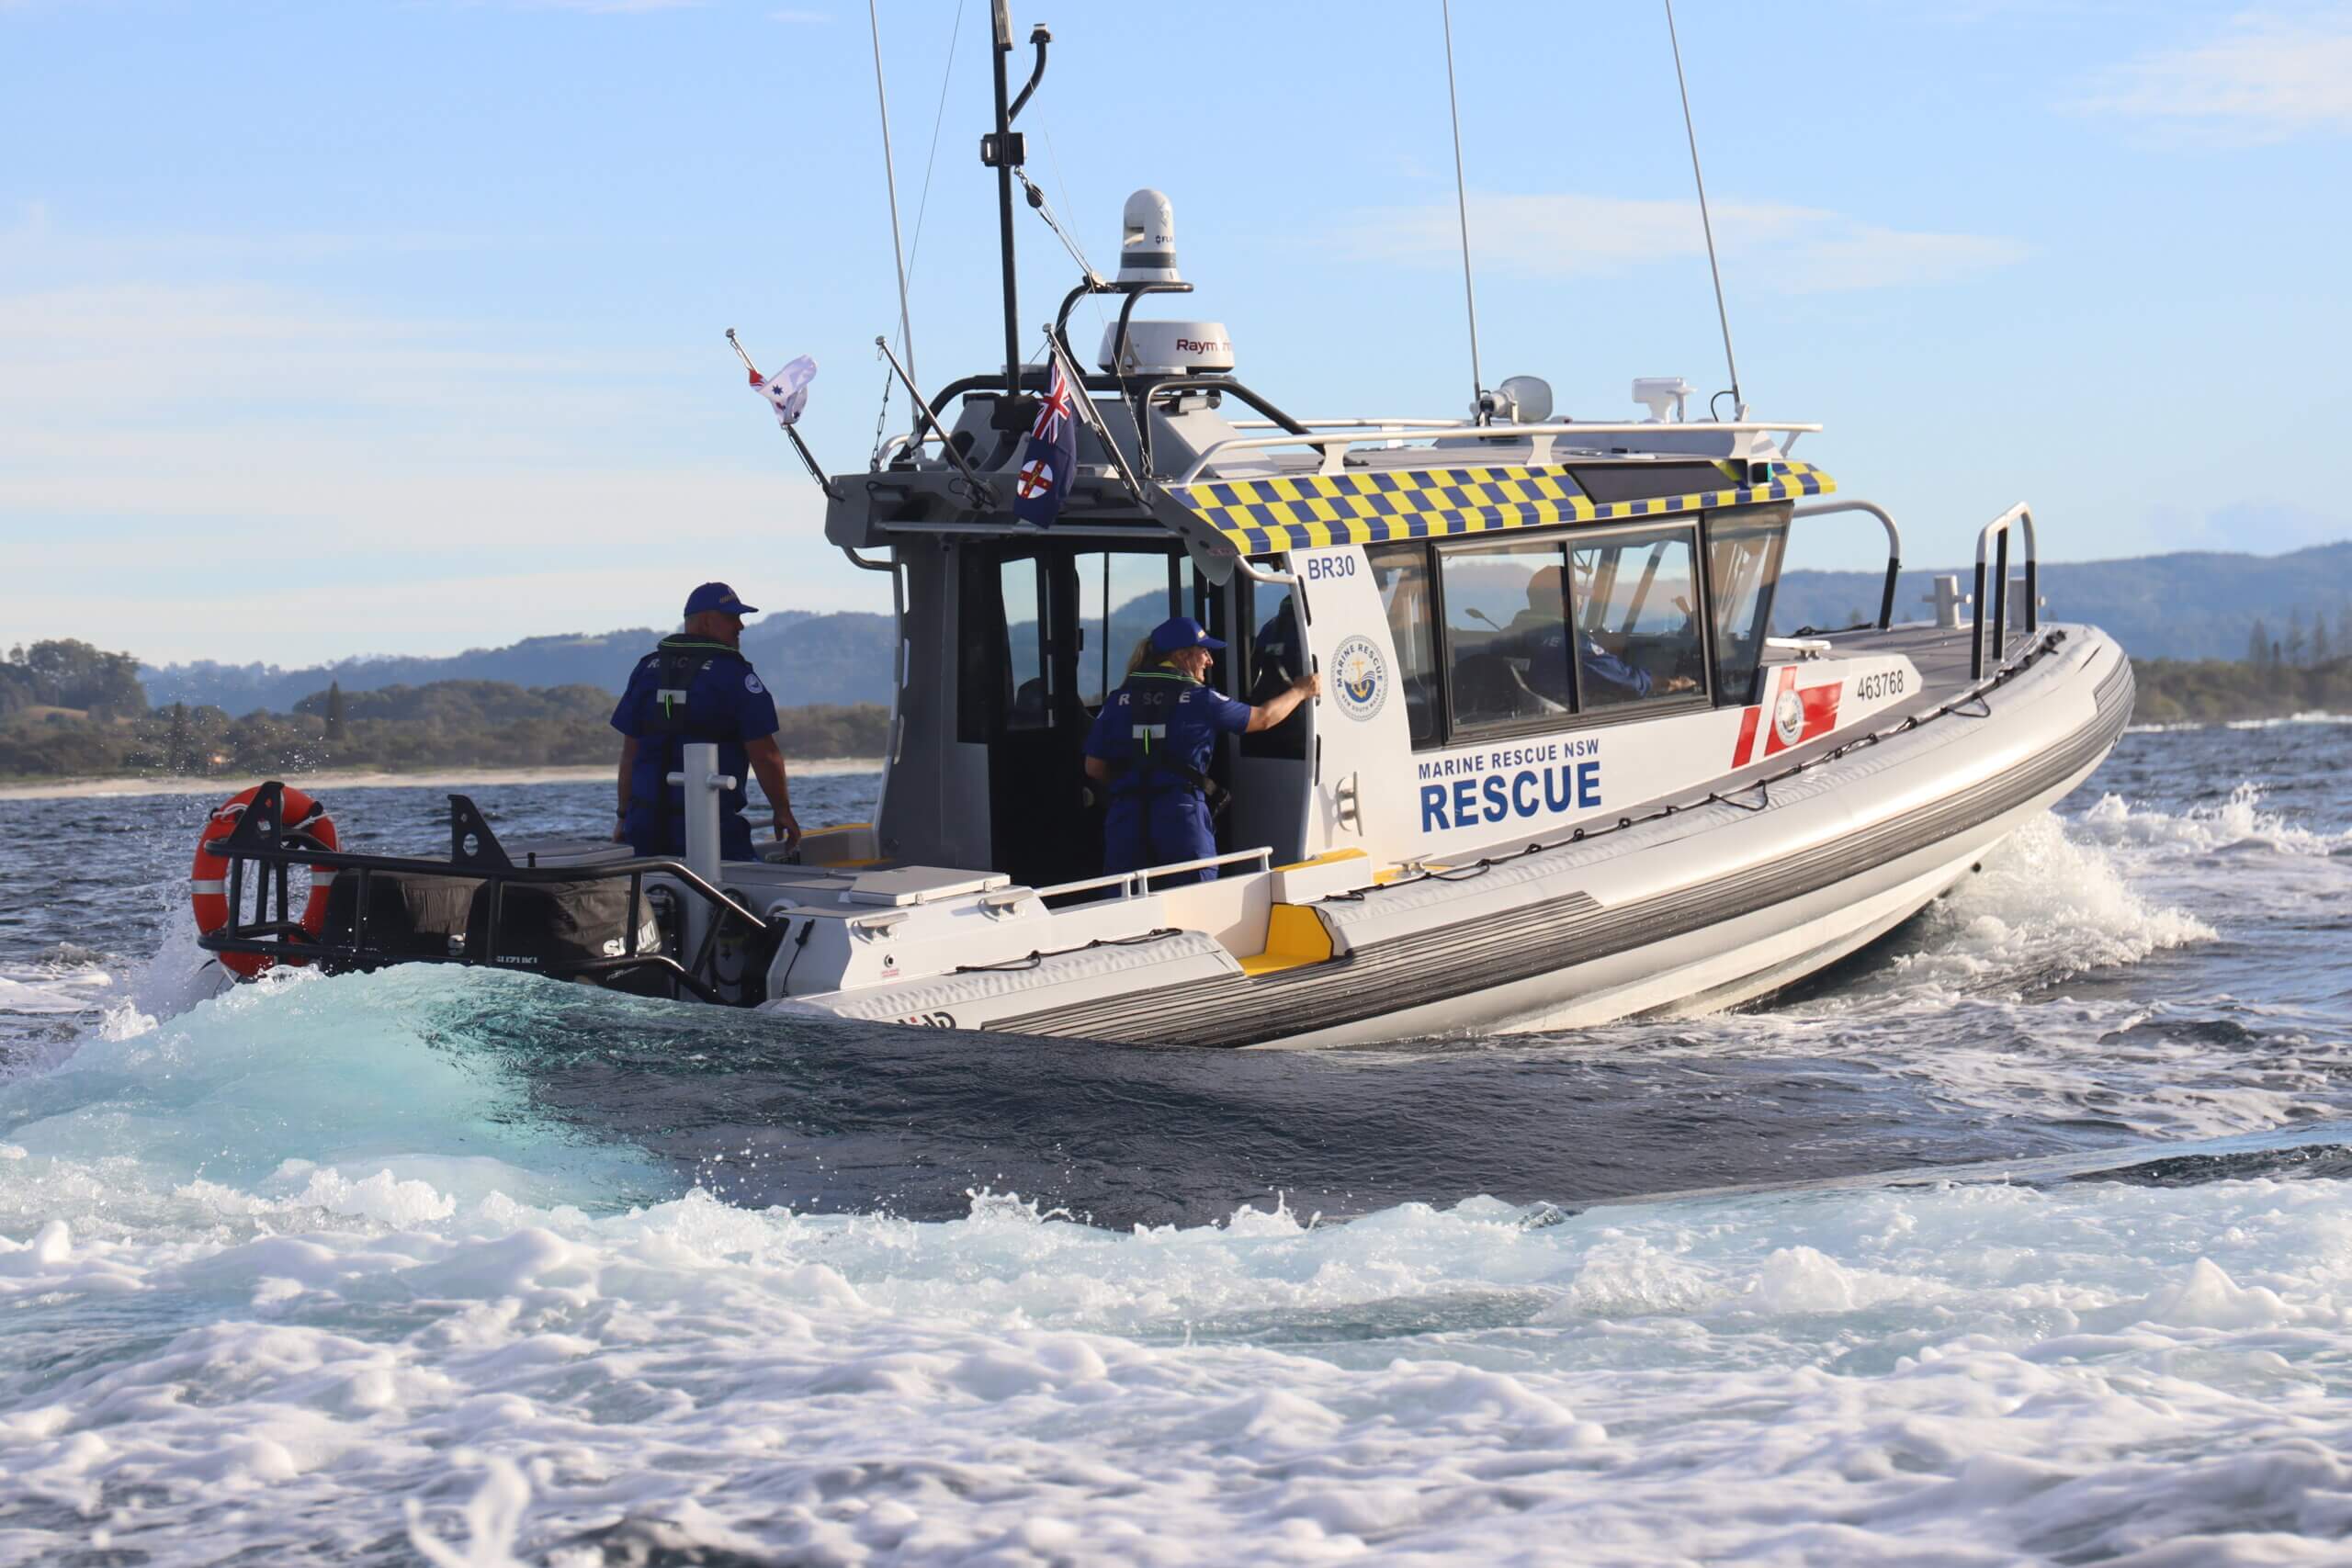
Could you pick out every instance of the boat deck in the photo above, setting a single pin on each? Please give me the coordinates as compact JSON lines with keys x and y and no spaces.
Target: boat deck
{"x":1940,"y":654}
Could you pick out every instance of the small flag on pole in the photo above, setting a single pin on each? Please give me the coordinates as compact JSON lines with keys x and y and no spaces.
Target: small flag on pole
{"x":786,"y":390}
{"x":1050,"y":459}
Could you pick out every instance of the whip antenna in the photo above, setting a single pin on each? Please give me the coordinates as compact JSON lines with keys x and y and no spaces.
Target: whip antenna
{"x":890,"y":179}
{"x":1462,"y":208}
{"x":1738,"y":404}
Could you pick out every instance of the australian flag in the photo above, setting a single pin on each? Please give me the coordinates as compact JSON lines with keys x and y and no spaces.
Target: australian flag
{"x":1047,"y":462}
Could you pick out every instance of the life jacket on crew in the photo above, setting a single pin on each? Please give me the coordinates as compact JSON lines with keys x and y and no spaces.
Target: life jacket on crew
{"x":689,"y":690}
{"x":679,"y":661}
{"x":1166,"y":747}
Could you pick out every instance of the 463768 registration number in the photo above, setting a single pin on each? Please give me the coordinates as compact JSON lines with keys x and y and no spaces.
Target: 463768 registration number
{"x":1886,"y":683}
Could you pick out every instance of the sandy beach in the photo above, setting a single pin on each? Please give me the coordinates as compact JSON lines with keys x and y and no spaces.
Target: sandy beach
{"x":332,"y":780}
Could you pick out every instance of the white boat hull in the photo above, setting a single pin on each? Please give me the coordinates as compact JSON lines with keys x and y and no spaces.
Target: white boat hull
{"x":1724,"y":900}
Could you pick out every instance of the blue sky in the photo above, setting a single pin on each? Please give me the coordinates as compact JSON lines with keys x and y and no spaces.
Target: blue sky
{"x":362,"y":328}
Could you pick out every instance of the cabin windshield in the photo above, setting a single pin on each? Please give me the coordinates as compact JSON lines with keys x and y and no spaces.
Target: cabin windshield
{"x":1528,"y":633}
{"x":1638,"y":618}
{"x":1743,"y":564}
{"x":1505,"y":633}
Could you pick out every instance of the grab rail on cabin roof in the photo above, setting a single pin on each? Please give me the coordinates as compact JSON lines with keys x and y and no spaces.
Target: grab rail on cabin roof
{"x":1997,"y":536}
{"x":1333,"y":444}
{"x":1894,"y":547}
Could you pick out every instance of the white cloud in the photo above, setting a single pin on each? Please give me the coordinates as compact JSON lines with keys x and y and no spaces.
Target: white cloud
{"x":37,"y":250}
{"x":403,"y":476}
{"x":1797,"y":249}
{"x":2268,"y":78}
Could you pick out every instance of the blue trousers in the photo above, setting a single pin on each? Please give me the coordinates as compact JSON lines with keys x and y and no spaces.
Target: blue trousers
{"x":646,"y":838}
{"x":1159,"y":829}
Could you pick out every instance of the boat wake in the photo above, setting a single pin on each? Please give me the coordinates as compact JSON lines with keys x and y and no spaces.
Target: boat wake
{"x":461,"y":1266}
{"x":362,"y":1368}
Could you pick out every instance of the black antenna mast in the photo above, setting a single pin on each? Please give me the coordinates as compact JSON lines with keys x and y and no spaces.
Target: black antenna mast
{"x":1004,"y":150}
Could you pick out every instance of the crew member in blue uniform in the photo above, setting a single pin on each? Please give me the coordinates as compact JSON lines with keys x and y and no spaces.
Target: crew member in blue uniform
{"x":1151,"y":745}
{"x":1540,"y":633}
{"x":696,"y":686}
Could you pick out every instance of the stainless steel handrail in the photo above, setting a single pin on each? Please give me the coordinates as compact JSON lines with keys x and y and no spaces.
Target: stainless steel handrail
{"x":1995,"y":536}
{"x":1137,"y":884}
{"x":1894,"y":547}
{"x":1359,"y":424}
{"x":1333,"y":444}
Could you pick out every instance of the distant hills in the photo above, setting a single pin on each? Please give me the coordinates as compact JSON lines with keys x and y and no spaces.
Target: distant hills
{"x":805,"y":657}
{"x":2195,"y":605}
{"x":2200,"y":604}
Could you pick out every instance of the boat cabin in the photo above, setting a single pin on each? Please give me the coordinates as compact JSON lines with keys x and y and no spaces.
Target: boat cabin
{"x":1494,"y":610}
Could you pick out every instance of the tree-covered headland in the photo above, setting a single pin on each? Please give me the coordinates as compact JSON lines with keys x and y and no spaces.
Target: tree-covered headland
{"x":71,"y":710}
{"x":68,"y":710}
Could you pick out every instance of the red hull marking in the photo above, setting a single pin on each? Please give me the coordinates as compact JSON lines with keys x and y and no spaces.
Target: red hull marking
{"x":1746,"y":736}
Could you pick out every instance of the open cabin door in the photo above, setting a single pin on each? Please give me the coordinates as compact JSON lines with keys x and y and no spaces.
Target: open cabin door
{"x":1047,"y":628}
{"x":1273,"y":769}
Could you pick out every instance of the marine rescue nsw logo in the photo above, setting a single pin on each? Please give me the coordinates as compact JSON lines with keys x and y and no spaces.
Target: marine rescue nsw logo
{"x":1788,"y":717}
{"x":1359,"y":678}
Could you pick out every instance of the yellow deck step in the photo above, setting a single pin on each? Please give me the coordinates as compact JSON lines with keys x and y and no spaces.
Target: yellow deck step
{"x":1296,"y":937}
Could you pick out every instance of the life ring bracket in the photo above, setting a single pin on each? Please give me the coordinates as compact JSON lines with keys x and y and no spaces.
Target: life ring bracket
{"x":286,"y":815}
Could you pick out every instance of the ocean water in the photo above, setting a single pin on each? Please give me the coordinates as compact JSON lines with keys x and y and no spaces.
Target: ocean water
{"x":2025,"y":1236}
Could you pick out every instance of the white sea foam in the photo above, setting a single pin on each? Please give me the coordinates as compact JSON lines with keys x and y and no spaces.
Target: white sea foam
{"x":2185,"y":725}
{"x":299,"y":1272}
{"x":2046,"y":903}
{"x":2240,"y":821}
{"x":2313,"y":716}
{"x":2001,"y":999}
{"x":1962,"y":1373}
{"x":178,"y":975}
{"x":53,"y":989}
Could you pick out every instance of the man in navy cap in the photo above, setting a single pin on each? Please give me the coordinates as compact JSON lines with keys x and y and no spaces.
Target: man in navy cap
{"x":1151,"y":745}
{"x":697,"y":687}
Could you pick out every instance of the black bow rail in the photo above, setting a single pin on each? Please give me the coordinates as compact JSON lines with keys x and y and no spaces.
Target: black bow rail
{"x":274,"y":847}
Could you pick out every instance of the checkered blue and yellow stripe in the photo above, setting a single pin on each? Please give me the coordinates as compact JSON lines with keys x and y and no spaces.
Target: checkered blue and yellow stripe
{"x":1368,"y":506}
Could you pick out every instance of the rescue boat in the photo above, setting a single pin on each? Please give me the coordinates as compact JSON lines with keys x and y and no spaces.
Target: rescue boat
{"x":1561,"y":771}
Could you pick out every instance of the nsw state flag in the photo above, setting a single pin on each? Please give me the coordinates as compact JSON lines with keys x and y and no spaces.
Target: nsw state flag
{"x":1047,"y":462}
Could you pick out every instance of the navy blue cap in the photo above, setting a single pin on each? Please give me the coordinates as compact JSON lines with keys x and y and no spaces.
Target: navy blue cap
{"x":1180,"y":633}
{"x":717,"y":596}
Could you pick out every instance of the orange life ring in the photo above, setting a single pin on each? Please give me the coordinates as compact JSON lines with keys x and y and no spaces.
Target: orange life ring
{"x":208,"y":879}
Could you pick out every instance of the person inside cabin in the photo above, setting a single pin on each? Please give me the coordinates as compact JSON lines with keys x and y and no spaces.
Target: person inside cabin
{"x":1540,"y":634}
{"x":697,"y":686}
{"x":1150,"y":748}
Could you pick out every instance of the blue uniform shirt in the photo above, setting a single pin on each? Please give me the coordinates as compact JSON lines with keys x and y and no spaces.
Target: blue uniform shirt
{"x":1158,"y":816}
{"x":1194,"y":720}
{"x":726,"y":703}
{"x":1544,"y":642}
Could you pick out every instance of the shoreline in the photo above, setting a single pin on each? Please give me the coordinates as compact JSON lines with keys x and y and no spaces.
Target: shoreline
{"x":356,"y":778}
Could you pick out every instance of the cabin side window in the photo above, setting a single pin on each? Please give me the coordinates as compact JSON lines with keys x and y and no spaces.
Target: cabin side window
{"x":1402,"y":574}
{"x":1028,"y":703}
{"x":1122,"y":595}
{"x":1274,"y":656}
{"x":1744,"y":552}
{"x":1507,"y":633}
{"x":1639,"y":636}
